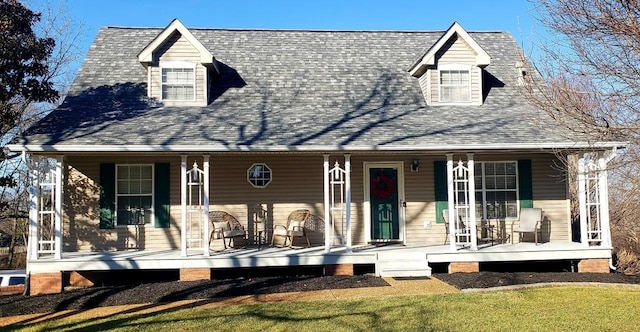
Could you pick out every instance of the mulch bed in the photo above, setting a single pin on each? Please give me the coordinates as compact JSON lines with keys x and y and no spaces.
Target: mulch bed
{"x":161,"y":292}
{"x":497,"y":279}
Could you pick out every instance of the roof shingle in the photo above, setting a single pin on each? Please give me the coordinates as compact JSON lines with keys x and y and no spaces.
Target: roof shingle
{"x":296,"y":90}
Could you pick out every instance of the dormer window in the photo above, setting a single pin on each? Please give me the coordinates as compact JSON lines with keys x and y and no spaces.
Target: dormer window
{"x":179,"y":67}
{"x":178,"y":81}
{"x":455,"y":84}
{"x":451,"y":70}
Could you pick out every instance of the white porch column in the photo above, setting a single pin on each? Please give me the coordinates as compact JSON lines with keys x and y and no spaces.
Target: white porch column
{"x":205,"y":202}
{"x":604,"y":203}
{"x":450,"y":203}
{"x":347,"y":169}
{"x":582,"y":200}
{"x":472,"y":202}
{"x":58,"y":209}
{"x":327,"y":215}
{"x":34,"y":193}
{"x":183,"y":202}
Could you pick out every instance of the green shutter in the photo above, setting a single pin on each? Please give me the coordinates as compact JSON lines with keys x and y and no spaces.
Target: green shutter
{"x":161,"y":201}
{"x":525,"y":184}
{"x":107,"y":195}
{"x":440,"y":186}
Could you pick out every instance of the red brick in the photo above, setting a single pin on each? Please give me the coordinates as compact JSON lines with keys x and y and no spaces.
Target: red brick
{"x":45,"y":283}
{"x":465,"y":267}
{"x":194,"y":274}
{"x":338,"y":270}
{"x":10,"y":290}
{"x":81,"y":279}
{"x":598,"y":265}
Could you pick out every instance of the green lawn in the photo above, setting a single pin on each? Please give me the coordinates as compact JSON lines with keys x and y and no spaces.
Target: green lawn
{"x":534,"y":309}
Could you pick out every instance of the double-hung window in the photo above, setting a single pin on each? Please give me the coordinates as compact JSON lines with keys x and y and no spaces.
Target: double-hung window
{"x":178,"y":81}
{"x":455,"y":83}
{"x":134,"y":194}
{"x":496,"y":189}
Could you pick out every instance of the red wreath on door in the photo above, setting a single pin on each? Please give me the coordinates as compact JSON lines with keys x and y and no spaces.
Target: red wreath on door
{"x":382,"y":186}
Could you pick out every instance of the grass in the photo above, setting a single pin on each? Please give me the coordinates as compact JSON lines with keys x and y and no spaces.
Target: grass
{"x":534,"y":309}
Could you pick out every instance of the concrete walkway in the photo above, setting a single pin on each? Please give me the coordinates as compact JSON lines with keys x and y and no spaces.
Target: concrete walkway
{"x":405,"y":287}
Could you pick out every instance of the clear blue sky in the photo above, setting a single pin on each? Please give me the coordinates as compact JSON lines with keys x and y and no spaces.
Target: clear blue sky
{"x":516,"y":16}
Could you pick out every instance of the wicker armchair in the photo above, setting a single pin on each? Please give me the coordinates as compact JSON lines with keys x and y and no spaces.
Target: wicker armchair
{"x":227,"y":227}
{"x":293,"y":229}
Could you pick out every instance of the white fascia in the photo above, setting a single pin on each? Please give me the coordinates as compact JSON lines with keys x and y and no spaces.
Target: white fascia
{"x":309,"y":148}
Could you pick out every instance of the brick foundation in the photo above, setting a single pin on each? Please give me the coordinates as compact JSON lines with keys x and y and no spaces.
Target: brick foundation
{"x":338,"y":270}
{"x":599,"y":265}
{"x":466,"y":267}
{"x":81,"y":279}
{"x":195,"y":274}
{"x":45,"y":283}
{"x":12,"y":290}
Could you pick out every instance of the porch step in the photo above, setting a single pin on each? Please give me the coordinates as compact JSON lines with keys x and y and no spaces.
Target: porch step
{"x":402,"y":265}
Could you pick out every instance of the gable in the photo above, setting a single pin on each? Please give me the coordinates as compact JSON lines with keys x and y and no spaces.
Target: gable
{"x":455,"y":50}
{"x":179,"y":67}
{"x":146,"y":55}
{"x":450,"y":72}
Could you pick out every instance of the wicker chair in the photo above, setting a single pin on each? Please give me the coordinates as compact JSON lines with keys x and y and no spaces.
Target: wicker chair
{"x":293,"y":229}
{"x":226,"y":226}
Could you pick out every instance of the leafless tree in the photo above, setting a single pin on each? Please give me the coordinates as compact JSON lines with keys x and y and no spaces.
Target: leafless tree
{"x":590,"y":64}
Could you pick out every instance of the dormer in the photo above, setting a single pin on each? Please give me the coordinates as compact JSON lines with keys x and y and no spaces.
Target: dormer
{"x":450,"y":72}
{"x":179,"y":67}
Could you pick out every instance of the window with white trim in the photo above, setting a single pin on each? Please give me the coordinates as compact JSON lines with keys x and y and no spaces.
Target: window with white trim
{"x":496,"y":189}
{"x":178,"y":81}
{"x":454,"y":83}
{"x":134,"y":194}
{"x":259,"y":175}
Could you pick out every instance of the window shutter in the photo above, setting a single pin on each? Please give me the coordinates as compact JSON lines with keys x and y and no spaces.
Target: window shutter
{"x":161,"y":201}
{"x":107,"y":195}
{"x":525,"y":184}
{"x":440,"y":186}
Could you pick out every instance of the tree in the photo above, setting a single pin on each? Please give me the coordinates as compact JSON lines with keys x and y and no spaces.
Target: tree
{"x":38,"y":51}
{"x":24,"y":68}
{"x":590,"y":63}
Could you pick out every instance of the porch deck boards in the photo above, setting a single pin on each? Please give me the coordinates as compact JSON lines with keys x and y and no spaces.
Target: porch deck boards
{"x":275,"y":256}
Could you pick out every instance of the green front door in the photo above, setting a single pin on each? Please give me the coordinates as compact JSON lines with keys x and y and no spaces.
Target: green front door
{"x":385,"y":219}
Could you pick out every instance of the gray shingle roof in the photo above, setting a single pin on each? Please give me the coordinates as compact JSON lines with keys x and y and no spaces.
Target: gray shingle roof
{"x":296,"y":90}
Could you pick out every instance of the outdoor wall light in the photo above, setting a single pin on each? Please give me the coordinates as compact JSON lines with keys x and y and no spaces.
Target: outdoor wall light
{"x":415,"y":164}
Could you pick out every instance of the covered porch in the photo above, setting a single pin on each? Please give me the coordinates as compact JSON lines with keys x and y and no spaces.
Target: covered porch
{"x":377,"y":259}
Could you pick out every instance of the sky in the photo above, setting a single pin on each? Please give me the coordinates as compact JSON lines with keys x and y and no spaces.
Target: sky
{"x":515,"y":16}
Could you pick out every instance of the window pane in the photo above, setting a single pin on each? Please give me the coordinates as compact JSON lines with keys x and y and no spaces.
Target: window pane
{"x":511,"y":182}
{"x":511,"y":168}
{"x":134,"y":172}
{"x":123,"y":172}
{"x":454,"y":86}
{"x":123,"y":187}
{"x":489,"y":169}
{"x":178,"y":83}
{"x":146,"y":186}
{"x":490,"y":182}
{"x":134,"y":187}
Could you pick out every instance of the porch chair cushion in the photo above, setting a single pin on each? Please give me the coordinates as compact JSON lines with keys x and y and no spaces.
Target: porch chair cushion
{"x":226,"y":226}
{"x":293,"y":228}
{"x":529,"y":222}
